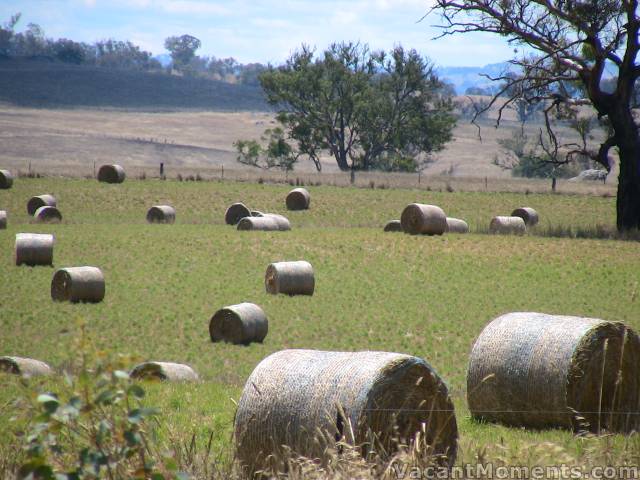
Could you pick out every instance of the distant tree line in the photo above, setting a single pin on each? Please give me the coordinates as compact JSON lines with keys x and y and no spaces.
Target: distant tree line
{"x":32,"y":43}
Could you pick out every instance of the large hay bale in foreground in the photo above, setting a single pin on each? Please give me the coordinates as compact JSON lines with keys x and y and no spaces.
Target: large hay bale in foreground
{"x":507,"y":226}
{"x":111,"y":174}
{"x":298,"y":199}
{"x":456,"y":225}
{"x":292,"y":278}
{"x":47,"y":215}
{"x":38,"y":201}
{"x":235,"y":213}
{"x":418,"y":218}
{"x":78,"y":284}
{"x":34,"y":249}
{"x":305,"y":400}
{"x":172,"y":372}
{"x":393,"y":226}
{"x":6,"y":179}
{"x":536,"y":370}
{"x":239,"y":324}
{"x":528,"y":214}
{"x":161,"y":214}
{"x":26,"y":367}
{"x":3,"y":219}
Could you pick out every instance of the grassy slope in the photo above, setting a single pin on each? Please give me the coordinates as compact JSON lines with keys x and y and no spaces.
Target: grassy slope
{"x":424,"y":296}
{"x":44,"y":84}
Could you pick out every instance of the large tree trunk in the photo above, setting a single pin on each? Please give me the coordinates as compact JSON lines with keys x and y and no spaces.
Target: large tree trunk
{"x":628,"y":201}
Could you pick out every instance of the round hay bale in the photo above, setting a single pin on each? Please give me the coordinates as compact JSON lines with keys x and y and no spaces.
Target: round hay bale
{"x":47,"y":215}
{"x":3,"y":219}
{"x":507,"y":226}
{"x":161,"y":214}
{"x":281,"y":220}
{"x":418,"y":218}
{"x":111,"y":174}
{"x":26,"y":367}
{"x":78,"y":284}
{"x":528,"y":214}
{"x":306,"y":400}
{"x":34,"y":249}
{"x":292,"y":278}
{"x":6,"y":179}
{"x":536,"y":370}
{"x":266,"y":223}
{"x":235,"y":213}
{"x":239,"y":324}
{"x":172,"y":372}
{"x":298,"y":199}
{"x":393,"y":226}
{"x":256,"y":213}
{"x":38,"y":201}
{"x":455,"y":225}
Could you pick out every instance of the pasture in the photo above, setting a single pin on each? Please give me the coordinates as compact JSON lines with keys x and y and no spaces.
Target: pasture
{"x":425,"y":296}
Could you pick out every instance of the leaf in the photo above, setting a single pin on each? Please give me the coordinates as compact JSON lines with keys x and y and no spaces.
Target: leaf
{"x":49,"y":402}
{"x":136,"y":390}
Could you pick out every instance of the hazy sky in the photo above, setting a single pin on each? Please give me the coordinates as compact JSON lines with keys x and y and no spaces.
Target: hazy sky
{"x":258,"y":30}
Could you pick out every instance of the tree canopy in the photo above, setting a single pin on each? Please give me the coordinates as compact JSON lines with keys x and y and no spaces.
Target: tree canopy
{"x":370,"y":110}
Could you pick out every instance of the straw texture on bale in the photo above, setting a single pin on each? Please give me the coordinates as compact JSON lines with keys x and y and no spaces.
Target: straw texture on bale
{"x":239,"y":324}
{"x":507,"y":226}
{"x":78,"y":284}
{"x":111,"y":174}
{"x":528,"y":214}
{"x":269,"y":222}
{"x":26,"y":367}
{"x":537,"y":370}
{"x":3,"y":219}
{"x":235,"y":213}
{"x":161,"y":214}
{"x":418,"y":218}
{"x":172,"y":372}
{"x":306,"y":400}
{"x":38,"y":201}
{"x":292,"y":278}
{"x":456,"y":225}
{"x":393,"y":226}
{"x":6,"y":179}
{"x":34,"y":249}
{"x":47,"y":215}
{"x":298,"y":199}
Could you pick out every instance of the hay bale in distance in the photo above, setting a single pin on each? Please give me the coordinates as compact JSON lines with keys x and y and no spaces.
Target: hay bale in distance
{"x":239,"y":324}
{"x":26,"y":367}
{"x":172,"y":372}
{"x":78,"y":284}
{"x":47,"y":215}
{"x":256,"y":213}
{"x":235,"y":213}
{"x":38,"y":201}
{"x":34,"y":249}
{"x":306,"y":400}
{"x":292,"y":278}
{"x":418,"y":218}
{"x":111,"y":174}
{"x":507,"y":226}
{"x":393,"y":226}
{"x":455,"y":225}
{"x":537,"y":370}
{"x":528,"y":214}
{"x":6,"y":179}
{"x":268,"y":223}
{"x":161,"y":214}
{"x":3,"y":219}
{"x":298,"y":199}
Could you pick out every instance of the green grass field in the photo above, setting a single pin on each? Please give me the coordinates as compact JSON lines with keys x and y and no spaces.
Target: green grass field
{"x":425,"y":296}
